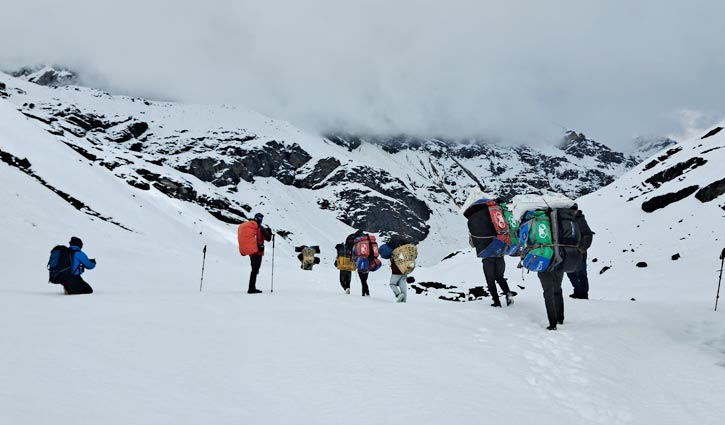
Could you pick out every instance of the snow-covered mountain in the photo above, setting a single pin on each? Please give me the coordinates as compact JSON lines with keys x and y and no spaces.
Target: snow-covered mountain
{"x":646,"y":147}
{"x":147,"y":185}
{"x":214,"y":156}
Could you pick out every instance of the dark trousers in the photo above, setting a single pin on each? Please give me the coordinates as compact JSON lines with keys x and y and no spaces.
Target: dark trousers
{"x":579,"y":279}
{"x":554,"y":301}
{"x":76,"y":286}
{"x":364,"y":283}
{"x":345,"y":278}
{"x":256,"y":261}
{"x":493,"y":270}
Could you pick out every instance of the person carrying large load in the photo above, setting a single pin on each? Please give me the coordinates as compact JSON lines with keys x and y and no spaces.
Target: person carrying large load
{"x":551,"y":245}
{"x":492,"y":232}
{"x":344,"y":263}
{"x":403,"y":254}
{"x":251,"y":237}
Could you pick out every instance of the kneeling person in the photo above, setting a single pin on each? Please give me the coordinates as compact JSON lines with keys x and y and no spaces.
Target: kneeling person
{"x":76,"y":285}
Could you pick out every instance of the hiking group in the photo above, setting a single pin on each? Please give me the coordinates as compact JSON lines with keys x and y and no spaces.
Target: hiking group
{"x":359,"y":253}
{"x":548,"y":232}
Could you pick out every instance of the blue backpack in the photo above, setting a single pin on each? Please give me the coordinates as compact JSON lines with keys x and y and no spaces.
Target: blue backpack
{"x":60,"y":264}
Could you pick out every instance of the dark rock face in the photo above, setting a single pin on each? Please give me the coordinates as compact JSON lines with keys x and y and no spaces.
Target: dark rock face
{"x":577,"y":145}
{"x":675,"y":171}
{"x":275,"y":160}
{"x":662,"y":201}
{"x":348,"y":141}
{"x":127,"y":131}
{"x":383,"y":183}
{"x":650,"y":164}
{"x":322,"y":169}
{"x":712,"y":132}
{"x":363,"y":210}
{"x":711,"y":191}
{"x":642,"y":264}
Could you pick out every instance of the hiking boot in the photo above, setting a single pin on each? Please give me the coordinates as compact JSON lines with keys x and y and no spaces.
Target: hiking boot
{"x":496,"y":304}
{"x":561,"y":322}
{"x":400,"y":297}
{"x":551,"y":328}
{"x":254,"y":291}
{"x":347,"y":291}
{"x":509,"y":299}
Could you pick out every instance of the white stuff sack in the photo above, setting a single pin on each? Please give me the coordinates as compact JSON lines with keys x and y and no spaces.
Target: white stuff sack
{"x":475,"y":195}
{"x":522,"y":203}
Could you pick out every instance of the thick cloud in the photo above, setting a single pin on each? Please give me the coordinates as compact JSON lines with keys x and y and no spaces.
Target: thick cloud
{"x":515,"y":71}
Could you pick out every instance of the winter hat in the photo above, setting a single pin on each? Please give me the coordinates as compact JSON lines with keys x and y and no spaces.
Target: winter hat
{"x":74,"y":241}
{"x":575,"y":207}
{"x":258,"y":217}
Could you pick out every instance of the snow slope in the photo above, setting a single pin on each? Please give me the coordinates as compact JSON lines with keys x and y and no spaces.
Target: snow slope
{"x":148,"y":347}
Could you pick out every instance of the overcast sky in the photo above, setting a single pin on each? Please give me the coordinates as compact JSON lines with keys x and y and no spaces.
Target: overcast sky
{"x":512,"y":70}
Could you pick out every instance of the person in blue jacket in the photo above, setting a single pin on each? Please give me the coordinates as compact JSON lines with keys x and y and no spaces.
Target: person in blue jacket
{"x":81,"y":262}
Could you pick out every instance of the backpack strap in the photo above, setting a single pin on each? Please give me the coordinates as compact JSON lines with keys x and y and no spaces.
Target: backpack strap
{"x":72,"y":258}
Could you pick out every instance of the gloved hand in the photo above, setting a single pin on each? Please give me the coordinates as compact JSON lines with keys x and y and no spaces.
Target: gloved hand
{"x":92,"y":260}
{"x":410,"y":279}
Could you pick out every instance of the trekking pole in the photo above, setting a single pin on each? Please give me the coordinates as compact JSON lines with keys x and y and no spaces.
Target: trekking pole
{"x":722,"y":262}
{"x":272,"y":288}
{"x":203,"y":262}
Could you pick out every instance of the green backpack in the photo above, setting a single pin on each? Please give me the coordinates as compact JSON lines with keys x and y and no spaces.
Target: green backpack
{"x":536,"y":240}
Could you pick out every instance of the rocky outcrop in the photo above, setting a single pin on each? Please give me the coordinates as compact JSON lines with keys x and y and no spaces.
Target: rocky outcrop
{"x":273,"y":160}
{"x":659,"y":202}
{"x":579,"y":146}
{"x":47,"y":75}
{"x":322,"y":169}
{"x":367,"y":211}
{"x":711,"y":191}
{"x":675,"y":171}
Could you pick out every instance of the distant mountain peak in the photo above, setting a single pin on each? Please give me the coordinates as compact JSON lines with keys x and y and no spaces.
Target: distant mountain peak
{"x":648,"y":146}
{"x":46,"y":75}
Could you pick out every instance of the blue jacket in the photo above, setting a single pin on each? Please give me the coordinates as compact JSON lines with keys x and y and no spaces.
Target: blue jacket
{"x":80,"y":261}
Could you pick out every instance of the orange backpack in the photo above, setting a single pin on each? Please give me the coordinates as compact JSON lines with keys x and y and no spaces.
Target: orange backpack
{"x":247,"y":237}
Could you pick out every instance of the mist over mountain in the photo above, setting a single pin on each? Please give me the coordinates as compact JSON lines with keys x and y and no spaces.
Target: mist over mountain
{"x":515,"y":72}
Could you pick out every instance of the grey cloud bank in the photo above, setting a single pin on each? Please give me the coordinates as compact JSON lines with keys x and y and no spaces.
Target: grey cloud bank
{"x":516,"y":71}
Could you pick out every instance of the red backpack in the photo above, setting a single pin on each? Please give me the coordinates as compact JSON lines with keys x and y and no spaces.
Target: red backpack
{"x":365,"y":253}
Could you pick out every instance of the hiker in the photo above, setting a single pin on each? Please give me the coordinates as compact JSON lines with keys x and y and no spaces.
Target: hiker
{"x":398,"y":283}
{"x":493,"y":271}
{"x":251,"y":236}
{"x":344,"y":263}
{"x":402,"y":254}
{"x":76,"y":285}
{"x":578,"y":278}
{"x":363,"y":275}
{"x":307,"y":256}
